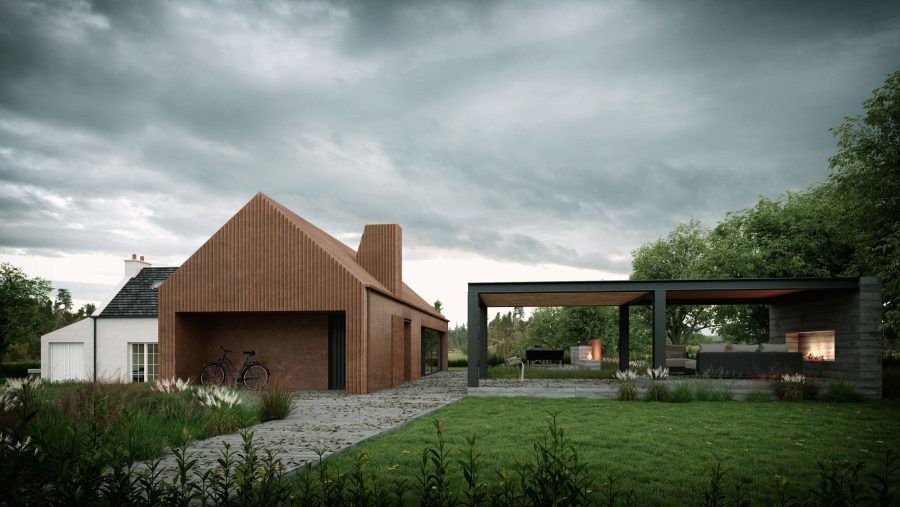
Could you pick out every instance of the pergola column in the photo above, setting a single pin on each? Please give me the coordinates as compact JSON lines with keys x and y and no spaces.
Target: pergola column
{"x":477,"y":354}
{"x":624,"y":336}
{"x":659,"y":328}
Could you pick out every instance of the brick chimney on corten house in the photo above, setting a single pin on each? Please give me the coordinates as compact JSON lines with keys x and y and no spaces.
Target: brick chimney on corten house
{"x":381,"y":254}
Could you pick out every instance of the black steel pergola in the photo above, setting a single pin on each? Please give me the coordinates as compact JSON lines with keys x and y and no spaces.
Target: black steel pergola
{"x":625,"y":293}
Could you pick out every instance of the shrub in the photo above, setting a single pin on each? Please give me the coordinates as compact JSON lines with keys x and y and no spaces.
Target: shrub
{"x":553,"y":475}
{"x":275,"y":403}
{"x":890,"y":381}
{"x":14,"y":369}
{"x":760,"y":395}
{"x":795,"y":388}
{"x":713,"y":390}
{"x":682,"y":393}
{"x":840,"y":391}
{"x":658,"y":391}
{"x":457,"y":363}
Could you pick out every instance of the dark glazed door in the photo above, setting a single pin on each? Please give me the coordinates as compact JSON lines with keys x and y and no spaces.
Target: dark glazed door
{"x":336,"y":347}
{"x":431,"y":351}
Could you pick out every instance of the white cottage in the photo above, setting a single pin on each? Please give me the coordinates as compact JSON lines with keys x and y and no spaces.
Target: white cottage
{"x":119,"y":341}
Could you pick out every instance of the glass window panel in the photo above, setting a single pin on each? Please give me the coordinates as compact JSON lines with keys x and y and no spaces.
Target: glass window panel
{"x":431,"y":351}
{"x":137,"y":362}
{"x":152,"y":361}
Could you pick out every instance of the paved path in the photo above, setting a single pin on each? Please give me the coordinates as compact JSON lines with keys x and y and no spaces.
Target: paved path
{"x":603,"y":388}
{"x":333,"y":421}
{"x":546,"y":388}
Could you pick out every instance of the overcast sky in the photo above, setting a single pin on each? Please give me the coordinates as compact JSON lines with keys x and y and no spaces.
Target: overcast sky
{"x":511,"y":140}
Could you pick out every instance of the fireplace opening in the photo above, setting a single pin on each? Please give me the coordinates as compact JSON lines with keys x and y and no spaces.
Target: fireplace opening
{"x":814,"y":345}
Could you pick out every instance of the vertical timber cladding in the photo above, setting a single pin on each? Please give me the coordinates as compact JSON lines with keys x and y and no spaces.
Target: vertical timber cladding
{"x":265,"y":258}
{"x":390,"y":319}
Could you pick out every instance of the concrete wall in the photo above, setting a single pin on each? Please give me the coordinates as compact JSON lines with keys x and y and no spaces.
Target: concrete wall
{"x":78,"y":332}
{"x":113,"y":338}
{"x":387,"y":345}
{"x":294,"y":346}
{"x":854,"y":316}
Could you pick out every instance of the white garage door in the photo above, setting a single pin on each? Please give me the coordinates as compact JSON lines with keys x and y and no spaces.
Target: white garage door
{"x":66,"y":361}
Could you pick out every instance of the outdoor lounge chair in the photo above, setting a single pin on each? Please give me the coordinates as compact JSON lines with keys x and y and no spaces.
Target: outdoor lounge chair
{"x":676,"y":357}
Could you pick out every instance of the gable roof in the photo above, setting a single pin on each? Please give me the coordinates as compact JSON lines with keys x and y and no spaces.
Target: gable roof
{"x":138,"y":297}
{"x":346,"y":256}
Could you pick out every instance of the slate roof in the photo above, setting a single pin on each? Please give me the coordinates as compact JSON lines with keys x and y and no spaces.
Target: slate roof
{"x":138,"y":298}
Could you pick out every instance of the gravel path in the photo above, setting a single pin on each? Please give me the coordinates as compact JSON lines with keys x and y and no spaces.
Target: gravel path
{"x":333,"y":421}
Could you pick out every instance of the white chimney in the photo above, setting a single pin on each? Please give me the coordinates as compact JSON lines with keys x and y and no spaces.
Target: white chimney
{"x":133,"y":266}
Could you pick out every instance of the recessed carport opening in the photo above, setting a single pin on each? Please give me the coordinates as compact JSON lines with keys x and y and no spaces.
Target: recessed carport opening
{"x":301,"y":350}
{"x":795,"y":306}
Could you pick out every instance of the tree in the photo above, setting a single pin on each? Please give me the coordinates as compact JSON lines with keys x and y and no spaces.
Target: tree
{"x":63,"y":300}
{"x":86,"y":310}
{"x":23,"y":307}
{"x":865,"y":173}
{"x":62,"y":309}
{"x":682,"y":254}
{"x":438,"y":306}
{"x":458,"y":338}
{"x":798,"y":234}
{"x":546,"y":327}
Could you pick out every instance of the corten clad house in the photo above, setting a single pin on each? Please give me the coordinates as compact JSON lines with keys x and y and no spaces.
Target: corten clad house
{"x":319,"y":314}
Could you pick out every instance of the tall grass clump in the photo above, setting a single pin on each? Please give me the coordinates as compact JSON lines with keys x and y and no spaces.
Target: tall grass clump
{"x":713,"y":390}
{"x":225,"y":411}
{"x":795,"y":387}
{"x":840,"y":391}
{"x":657,"y":390}
{"x":275,"y":403}
{"x":682,"y":393}
{"x":627,"y":385}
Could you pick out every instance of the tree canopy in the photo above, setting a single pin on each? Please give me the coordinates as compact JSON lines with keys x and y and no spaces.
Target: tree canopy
{"x":27,"y":312}
{"x":24,"y":307}
{"x":848,"y":225}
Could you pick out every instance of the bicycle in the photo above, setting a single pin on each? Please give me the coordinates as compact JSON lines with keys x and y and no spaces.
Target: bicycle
{"x":253,"y":375}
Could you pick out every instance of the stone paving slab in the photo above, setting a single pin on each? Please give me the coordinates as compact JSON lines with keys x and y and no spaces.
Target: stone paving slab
{"x":333,"y":421}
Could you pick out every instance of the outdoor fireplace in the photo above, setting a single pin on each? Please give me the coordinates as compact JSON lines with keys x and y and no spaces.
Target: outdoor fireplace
{"x":814,"y":345}
{"x":586,"y":353}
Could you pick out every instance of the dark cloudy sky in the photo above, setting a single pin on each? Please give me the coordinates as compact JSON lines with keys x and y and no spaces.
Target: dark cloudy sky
{"x":519,"y":139}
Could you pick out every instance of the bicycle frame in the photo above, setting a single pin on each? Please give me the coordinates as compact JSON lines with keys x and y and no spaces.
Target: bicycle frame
{"x":229,"y":367}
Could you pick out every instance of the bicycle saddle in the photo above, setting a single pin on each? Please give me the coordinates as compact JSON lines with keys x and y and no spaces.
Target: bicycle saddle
{"x":250,"y":352}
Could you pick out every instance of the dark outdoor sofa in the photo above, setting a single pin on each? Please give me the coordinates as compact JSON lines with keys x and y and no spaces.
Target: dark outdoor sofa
{"x":750,"y":364}
{"x":544,"y":356}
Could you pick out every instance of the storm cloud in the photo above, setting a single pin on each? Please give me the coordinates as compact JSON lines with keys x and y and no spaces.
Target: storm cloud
{"x":536,"y":132}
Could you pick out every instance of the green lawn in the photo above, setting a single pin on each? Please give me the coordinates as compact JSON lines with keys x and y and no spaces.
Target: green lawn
{"x":662,"y":451}
{"x":456,"y":355}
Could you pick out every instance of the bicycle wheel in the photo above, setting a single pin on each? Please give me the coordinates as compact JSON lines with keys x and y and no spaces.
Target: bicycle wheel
{"x":255,"y":376}
{"x":212,"y":375}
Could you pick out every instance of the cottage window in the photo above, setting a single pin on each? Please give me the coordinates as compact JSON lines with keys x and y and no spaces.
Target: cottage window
{"x":144,"y":362}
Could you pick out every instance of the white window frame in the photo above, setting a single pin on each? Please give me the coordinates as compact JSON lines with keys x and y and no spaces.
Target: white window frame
{"x":145,"y":361}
